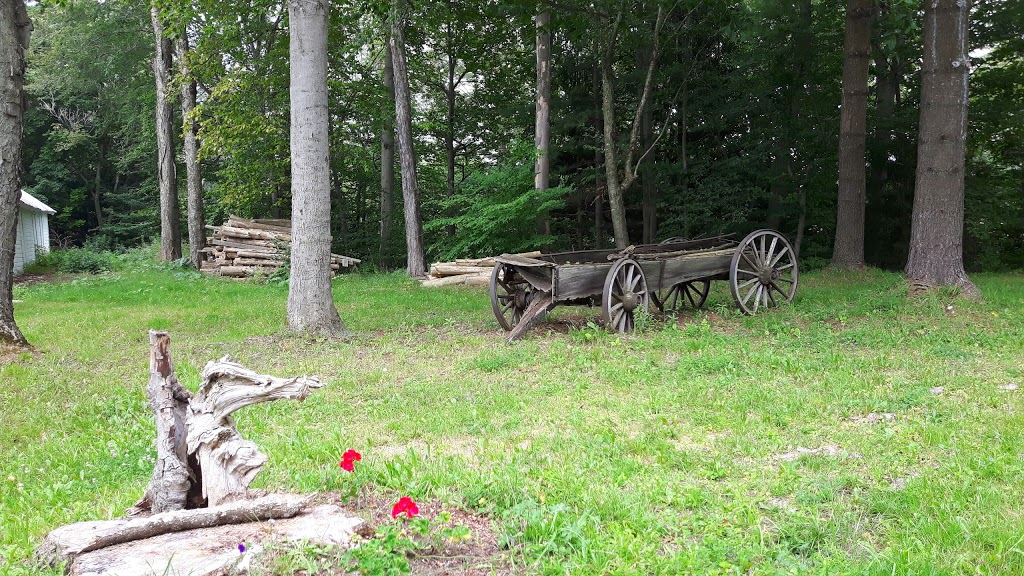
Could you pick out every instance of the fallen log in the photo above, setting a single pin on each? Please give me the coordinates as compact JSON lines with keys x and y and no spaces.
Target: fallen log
{"x":72,"y":540}
{"x":238,"y":222}
{"x":247,"y":234}
{"x":445,"y":269}
{"x":478,"y":279}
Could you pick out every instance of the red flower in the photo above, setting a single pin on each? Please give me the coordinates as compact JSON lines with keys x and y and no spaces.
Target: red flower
{"x":348,"y":460}
{"x":406,"y":505}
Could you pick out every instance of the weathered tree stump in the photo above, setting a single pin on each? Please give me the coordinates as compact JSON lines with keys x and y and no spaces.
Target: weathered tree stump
{"x":202,"y":460}
{"x":198,"y":494}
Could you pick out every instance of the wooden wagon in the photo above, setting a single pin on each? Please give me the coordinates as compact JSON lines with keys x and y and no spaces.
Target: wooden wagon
{"x":761,"y":270}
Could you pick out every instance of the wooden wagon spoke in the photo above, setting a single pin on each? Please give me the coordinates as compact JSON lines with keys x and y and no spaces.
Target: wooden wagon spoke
{"x":748,"y":283}
{"x":742,"y":271}
{"x":785,"y":280}
{"x":779,"y":257}
{"x":776,"y":287}
{"x":757,"y":297}
{"x":785,"y":267}
{"x":771,"y":251}
{"x":768,"y":292}
{"x":749,"y":294}
{"x":754,"y":265}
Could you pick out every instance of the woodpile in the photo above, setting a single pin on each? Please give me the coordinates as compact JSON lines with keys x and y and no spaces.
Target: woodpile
{"x":465,"y":271}
{"x":243,"y":248}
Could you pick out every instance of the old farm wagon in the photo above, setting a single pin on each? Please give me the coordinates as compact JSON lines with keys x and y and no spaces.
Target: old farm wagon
{"x":761,"y":270}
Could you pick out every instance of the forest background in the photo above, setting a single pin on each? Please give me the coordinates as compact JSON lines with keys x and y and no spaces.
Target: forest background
{"x":742,"y":123}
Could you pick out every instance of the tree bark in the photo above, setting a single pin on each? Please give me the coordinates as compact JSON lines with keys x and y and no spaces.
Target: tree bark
{"x":415,"y":264}
{"x":599,"y":185}
{"x":172,"y":476}
{"x":936,"y":236}
{"x":387,"y":159}
{"x":97,"y":184}
{"x":310,"y":303}
{"x":170,"y":212}
{"x":617,"y":185}
{"x":848,"y":250}
{"x":190,"y":143}
{"x":15,"y":28}
{"x":888,"y":74}
{"x":615,"y":201}
{"x":782,"y":165}
{"x":542,"y":125}
{"x":647,"y":178}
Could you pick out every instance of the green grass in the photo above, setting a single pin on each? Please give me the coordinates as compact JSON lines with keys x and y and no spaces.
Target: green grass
{"x":673,"y":451}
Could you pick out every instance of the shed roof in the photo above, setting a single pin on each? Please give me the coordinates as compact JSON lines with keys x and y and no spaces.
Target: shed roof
{"x":34,"y":203}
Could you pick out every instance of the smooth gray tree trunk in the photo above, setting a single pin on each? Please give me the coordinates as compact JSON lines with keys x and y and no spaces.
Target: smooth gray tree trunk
{"x":387,"y":159}
{"x":848,"y":249}
{"x":15,"y":28}
{"x":542,"y":125}
{"x":415,"y":264}
{"x":310,"y":303}
{"x":170,"y":212}
{"x":190,"y":143}
{"x":937,"y":226}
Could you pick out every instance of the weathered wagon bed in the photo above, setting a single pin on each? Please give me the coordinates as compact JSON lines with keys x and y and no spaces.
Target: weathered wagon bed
{"x":677,"y":273}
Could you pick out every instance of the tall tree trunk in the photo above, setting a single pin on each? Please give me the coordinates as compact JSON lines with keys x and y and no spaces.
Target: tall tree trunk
{"x":936,"y":235}
{"x":683,"y":158}
{"x":190,"y":143}
{"x":387,"y":160}
{"x":15,"y":28}
{"x":611,"y":164}
{"x":617,"y":186}
{"x":97,"y":185}
{"x":648,"y":179}
{"x":449,"y":136}
{"x":888,"y":74}
{"x":782,"y":165}
{"x":415,"y":265}
{"x":170,"y":212}
{"x":848,"y":250}
{"x":542,"y":125}
{"x":599,"y":186}
{"x":310,"y":303}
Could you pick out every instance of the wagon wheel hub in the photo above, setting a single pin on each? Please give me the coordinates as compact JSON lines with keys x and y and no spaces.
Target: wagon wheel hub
{"x":522,"y":299}
{"x":630,"y":301}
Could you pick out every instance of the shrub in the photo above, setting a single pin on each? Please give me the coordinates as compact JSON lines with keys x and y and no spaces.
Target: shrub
{"x":73,"y":261}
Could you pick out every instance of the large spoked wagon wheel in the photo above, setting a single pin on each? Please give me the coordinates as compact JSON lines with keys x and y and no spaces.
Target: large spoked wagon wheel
{"x":763,"y":272}
{"x":625,"y":290}
{"x":691,"y":294}
{"x":510,"y":295}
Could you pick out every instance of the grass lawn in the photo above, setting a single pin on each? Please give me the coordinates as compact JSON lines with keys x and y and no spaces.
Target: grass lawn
{"x":852,"y":432}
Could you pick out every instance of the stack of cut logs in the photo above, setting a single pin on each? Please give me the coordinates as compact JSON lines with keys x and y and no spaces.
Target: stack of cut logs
{"x":466,"y":271}
{"x":242,"y":248}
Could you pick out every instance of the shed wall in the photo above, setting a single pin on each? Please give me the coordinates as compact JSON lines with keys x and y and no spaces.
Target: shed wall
{"x":33,"y":231}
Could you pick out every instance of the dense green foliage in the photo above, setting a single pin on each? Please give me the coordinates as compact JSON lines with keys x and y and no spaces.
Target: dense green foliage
{"x":743,"y":121}
{"x":853,"y":432}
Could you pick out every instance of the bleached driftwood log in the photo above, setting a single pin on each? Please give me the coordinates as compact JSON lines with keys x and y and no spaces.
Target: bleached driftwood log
{"x":202,"y":460}
{"x":229,"y":462}
{"x":172,"y":477}
{"x":71,"y":540}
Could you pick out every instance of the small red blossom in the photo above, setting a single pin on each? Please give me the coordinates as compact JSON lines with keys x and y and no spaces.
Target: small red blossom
{"x":405,"y":505}
{"x":349,"y":459}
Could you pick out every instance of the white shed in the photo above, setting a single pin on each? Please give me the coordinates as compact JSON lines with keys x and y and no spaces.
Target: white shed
{"x":33,"y":231}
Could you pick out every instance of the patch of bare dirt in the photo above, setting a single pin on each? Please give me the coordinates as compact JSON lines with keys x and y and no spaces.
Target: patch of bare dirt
{"x":480,"y":555}
{"x":29,"y":279}
{"x":11,"y":354}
